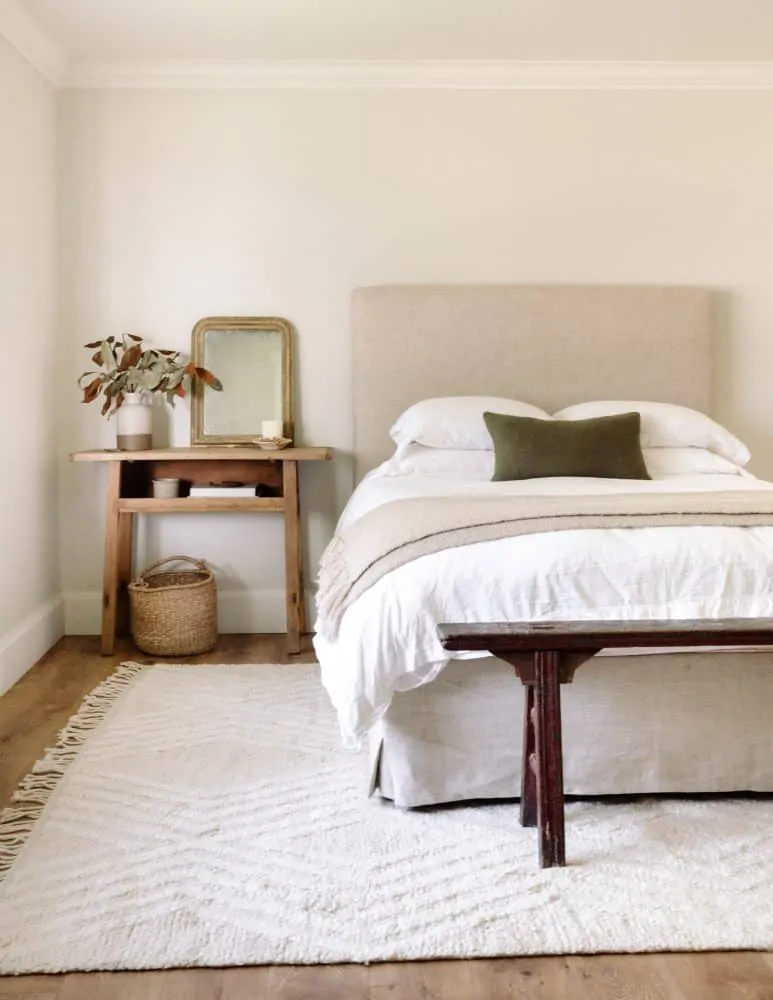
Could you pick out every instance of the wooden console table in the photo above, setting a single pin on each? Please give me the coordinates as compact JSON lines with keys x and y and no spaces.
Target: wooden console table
{"x":546,"y":655}
{"x":129,"y":492}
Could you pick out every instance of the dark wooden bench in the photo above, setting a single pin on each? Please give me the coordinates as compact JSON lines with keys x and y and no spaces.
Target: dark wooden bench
{"x":546,"y":655}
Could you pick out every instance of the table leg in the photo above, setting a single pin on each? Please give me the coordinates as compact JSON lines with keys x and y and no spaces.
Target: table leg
{"x":528,"y":761}
{"x":111,"y":564}
{"x":125,"y":541}
{"x":550,"y":776}
{"x":296,"y":614}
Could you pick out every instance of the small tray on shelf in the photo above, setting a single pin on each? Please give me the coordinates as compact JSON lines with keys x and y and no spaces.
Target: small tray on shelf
{"x":272,"y":444}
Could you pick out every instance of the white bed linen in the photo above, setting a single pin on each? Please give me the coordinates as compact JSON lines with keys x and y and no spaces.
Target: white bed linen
{"x":388,"y":638}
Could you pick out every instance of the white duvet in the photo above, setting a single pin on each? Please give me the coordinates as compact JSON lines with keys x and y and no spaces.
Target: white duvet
{"x":388,"y":637}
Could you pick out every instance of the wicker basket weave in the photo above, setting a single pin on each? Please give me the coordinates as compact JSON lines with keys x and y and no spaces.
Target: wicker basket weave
{"x":174,"y":613}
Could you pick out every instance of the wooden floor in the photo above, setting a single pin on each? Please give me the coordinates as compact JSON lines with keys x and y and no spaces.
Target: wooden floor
{"x":40,"y":704}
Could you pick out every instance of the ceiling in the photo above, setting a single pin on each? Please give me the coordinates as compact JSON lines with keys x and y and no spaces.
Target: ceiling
{"x":341,"y":30}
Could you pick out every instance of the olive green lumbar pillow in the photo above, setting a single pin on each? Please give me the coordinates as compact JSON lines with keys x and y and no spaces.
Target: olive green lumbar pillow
{"x":603,"y":447}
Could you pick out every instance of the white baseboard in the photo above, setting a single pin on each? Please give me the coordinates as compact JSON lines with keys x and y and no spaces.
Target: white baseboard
{"x":23,"y":645}
{"x":239,"y":611}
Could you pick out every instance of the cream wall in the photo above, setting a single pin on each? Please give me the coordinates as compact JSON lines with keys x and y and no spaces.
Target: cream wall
{"x":178,"y":205}
{"x":30,"y":603}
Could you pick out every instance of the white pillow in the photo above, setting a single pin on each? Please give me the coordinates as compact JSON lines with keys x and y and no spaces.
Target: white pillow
{"x":418,"y":460}
{"x":666,"y":425}
{"x":662,"y":462}
{"x":456,"y":422}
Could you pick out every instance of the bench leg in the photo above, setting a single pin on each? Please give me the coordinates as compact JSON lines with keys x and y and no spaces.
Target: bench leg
{"x":528,"y":761}
{"x":549,"y":758}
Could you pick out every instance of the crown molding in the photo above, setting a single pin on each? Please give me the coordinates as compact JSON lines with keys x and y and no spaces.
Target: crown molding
{"x":22,"y":31}
{"x":426,"y":75}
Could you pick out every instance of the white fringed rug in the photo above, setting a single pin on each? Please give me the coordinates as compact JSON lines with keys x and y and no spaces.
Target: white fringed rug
{"x":205,"y":815}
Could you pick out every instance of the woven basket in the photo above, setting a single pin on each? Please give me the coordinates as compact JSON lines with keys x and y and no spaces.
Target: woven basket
{"x":174,"y":613}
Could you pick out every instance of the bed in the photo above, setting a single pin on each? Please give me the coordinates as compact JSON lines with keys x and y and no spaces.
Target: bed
{"x":443,"y":731}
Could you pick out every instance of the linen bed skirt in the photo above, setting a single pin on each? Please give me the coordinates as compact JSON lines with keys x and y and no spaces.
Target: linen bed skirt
{"x":667,"y":722}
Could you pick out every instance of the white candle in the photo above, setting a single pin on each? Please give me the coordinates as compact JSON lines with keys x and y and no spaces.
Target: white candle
{"x":272,"y":428}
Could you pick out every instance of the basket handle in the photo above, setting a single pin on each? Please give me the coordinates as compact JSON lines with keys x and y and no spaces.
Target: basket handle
{"x":170,"y":559}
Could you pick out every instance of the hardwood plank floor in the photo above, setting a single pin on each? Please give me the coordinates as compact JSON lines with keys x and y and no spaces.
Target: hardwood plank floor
{"x":39,"y":705}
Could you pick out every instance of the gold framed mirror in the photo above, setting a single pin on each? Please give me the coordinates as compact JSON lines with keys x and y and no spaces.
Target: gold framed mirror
{"x":253,"y":358}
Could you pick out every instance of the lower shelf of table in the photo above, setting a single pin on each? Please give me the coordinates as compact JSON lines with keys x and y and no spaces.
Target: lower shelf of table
{"x":193,"y":505}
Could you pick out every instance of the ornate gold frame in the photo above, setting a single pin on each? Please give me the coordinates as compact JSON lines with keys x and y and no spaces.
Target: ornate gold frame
{"x":198,"y":391}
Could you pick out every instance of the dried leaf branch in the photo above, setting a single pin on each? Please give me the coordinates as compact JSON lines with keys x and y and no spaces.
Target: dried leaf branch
{"x":126,"y":365}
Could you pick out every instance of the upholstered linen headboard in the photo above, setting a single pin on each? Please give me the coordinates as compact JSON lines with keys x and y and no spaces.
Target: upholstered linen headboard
{"x":551,"y":345}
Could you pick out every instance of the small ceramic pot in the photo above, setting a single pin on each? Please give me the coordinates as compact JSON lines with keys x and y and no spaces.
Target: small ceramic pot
{"x":166,"y":488}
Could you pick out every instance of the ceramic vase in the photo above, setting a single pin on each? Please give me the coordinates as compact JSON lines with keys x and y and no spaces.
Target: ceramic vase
{"x":134,"y":423}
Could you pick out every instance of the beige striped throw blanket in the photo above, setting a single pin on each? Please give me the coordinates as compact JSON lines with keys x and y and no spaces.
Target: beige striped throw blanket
{"x":403,"y":530}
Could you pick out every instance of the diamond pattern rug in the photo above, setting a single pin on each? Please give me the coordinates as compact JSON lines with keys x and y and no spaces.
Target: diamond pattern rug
{"x":206,"y":816}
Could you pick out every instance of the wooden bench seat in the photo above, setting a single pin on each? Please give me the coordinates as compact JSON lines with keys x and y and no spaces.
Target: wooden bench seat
{"x":546,"y":655}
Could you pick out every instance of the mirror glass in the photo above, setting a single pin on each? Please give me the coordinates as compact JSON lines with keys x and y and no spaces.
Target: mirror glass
{"x":251,"y":357}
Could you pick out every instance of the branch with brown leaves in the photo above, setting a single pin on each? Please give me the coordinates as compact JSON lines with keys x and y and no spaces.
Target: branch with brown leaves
{"x":125,"y":365}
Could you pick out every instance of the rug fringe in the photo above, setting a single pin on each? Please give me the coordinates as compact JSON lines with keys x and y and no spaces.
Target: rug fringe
{"x":34,"y":791}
